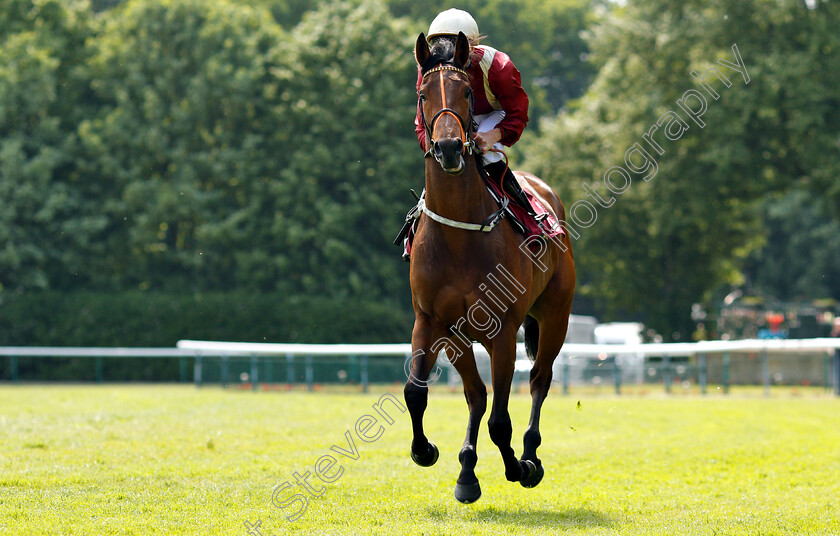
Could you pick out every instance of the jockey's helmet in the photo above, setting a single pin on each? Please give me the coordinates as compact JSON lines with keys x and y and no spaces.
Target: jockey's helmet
{"x":452,"y":21}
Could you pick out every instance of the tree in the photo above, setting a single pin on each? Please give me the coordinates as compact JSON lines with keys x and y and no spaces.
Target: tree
{"x":668,"y":242}
{"x":800,"y":259}
{"x":46,"y":216}
{"x":349,"y":101}
{"x":183,"y":144}
{"x":241,"y":157}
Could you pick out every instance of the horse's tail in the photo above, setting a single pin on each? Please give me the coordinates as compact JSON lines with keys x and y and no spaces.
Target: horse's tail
{"x":532,"y":336}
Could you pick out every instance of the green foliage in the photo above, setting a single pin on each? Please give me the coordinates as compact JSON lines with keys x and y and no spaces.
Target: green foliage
{"x":227,"y":146}
{"x":800,"y":259}
{"x":351,"y":154}
{"x":287,"y":13}
{"x":670,"y":242}
{"x":195,"y":146}
{"x":137,"y":319}
{"x":45,"y":217}
{"x":183,"y":140}
{"x":161,"y":320}
{"x":240,"y":161}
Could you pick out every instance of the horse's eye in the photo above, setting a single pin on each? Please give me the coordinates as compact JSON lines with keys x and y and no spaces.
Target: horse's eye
{"x":468,"y":93}
{"x":422,"y":96}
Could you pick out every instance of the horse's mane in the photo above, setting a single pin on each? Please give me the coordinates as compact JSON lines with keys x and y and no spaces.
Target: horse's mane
{"x":441,"y":52}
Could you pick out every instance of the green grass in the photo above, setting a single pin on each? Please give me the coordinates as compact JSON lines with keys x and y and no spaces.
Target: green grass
{"x":177,"y":460}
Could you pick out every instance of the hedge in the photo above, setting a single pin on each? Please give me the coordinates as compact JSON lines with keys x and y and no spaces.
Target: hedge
{"x":138,"y":319}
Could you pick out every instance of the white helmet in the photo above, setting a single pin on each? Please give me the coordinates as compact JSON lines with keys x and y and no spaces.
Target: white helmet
{"x":452,"y":21}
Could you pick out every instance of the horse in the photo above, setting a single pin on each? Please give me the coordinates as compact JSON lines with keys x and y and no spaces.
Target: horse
{"x":471,"y":281}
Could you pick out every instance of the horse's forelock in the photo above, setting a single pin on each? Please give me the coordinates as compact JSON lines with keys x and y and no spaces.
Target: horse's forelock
{"x":441,"y":52}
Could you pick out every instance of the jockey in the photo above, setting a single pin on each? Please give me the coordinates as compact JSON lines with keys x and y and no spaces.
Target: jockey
{"x":500,"y":104}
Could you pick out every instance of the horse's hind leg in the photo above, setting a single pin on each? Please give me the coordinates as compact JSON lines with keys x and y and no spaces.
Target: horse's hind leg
{"x":467,"y":490}
{"x":550,"y":340}
{"x":416,"y":391}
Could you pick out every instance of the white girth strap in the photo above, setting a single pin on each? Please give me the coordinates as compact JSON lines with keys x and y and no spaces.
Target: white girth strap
{"x":456,"y":224}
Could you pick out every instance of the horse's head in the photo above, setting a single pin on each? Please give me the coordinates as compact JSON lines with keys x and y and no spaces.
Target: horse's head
{"x":445,"y":96}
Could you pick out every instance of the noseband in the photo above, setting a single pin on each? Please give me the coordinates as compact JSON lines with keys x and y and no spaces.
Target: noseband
{"x":466,"y":127}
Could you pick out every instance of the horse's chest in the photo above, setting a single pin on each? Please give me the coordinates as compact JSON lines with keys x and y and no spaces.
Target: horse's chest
{"x":446,"y":295}
{"x":448,"y":280}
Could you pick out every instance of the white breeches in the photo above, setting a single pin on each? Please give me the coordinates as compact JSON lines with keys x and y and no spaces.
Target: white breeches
{"x":487,"y":122}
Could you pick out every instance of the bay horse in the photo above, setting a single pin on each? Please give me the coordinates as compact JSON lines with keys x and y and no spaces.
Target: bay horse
{"x":470,"y":283}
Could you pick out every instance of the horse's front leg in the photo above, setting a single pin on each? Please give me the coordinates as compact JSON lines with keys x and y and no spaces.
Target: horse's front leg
{"x":467,"y":489}
{"x":416,"y":392}
{"x":503,"y":363}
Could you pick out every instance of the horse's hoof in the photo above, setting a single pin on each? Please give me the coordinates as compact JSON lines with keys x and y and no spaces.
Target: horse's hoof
{"x":427,"y":459}
{"x":534,"y":474}
{"x":467,"y":493}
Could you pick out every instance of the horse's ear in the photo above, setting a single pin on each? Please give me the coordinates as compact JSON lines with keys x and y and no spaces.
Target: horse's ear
{"x":421,"y":50}
{"x":462,"y":50}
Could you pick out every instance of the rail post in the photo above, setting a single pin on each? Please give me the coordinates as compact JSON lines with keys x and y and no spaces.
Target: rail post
{"x":666,"y":373}
{"x":517,"y":377}
{"x":565,"y":374}
{"x":100,"y":369}
{"x":255,"y":371}
{"x":310,"y":374}
{"x":197,"y":370}
{"x":224,"y":373}
{"x":837,"y":371}
{"x":727,"y":361}
{"x":290,"y":371}
{"x":182,"y":369}
{"x":364,"y":373}
{"x":765,"y":371}
{"x":617,"y":376}
{"x":14,"y":369}
{"x":702,"y":373}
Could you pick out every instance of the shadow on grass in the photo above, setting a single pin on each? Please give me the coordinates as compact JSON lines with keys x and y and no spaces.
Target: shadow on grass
{"x":569,"y":518}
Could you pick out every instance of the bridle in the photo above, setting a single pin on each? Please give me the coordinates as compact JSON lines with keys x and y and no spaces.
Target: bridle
{"x":469,"y":147}
{"x":465,"y":127}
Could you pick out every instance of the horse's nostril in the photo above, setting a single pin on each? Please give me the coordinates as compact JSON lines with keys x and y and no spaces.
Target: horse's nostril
{"x":451,"y":147}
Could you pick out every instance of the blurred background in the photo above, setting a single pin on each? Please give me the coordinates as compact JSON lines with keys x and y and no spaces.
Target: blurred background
{"x":237,"y":170}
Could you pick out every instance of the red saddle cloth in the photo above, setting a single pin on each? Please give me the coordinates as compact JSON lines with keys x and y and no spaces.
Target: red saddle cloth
{"x":545,"y":223}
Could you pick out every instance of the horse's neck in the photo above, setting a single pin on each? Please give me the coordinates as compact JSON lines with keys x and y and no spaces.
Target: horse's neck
{"x":462,"y":198}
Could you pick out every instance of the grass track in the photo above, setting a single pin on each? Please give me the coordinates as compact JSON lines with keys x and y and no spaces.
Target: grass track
{"x":176,"y":460}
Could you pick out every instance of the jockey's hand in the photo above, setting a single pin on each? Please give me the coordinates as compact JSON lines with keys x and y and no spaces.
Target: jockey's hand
{"x":486,"y":140}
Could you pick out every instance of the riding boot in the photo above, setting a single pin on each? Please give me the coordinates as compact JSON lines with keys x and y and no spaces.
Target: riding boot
{"x":509,"y":183}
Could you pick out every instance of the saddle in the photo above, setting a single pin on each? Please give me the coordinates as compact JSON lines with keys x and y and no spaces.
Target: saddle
{"x":544,"y":225}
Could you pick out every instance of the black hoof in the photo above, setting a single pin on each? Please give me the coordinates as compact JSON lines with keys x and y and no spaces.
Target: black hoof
{"x":467,"y":493}
{"x":428,"y":458}
{"x":534,"y":474}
